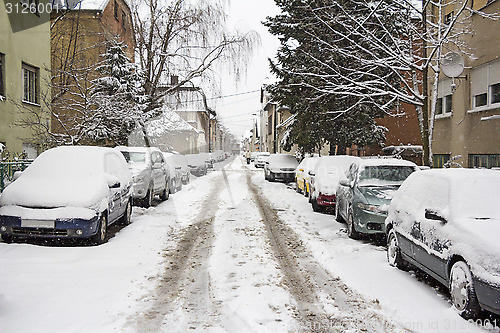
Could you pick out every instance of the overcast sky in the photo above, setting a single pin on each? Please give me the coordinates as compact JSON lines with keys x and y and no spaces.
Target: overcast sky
{"x":236,"y":111}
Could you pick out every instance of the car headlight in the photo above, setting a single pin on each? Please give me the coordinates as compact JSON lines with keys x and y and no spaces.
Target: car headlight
{"x":138,"y":179}
{"x":373,"y":208}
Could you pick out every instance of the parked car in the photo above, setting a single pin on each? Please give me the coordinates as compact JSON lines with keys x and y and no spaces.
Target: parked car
{"x":68,"y":192}
{"x":302,"y":177}
{"x":208,"y":159}
{"x":324,"y":180}
{"x":261,"y":159}
{"x":280,"y":166}
{"x":253,"y":155}
{"x":181,"y":161}
{"x":446,"y":223}
{"x":174,"y":171}
{"x":149,"y":174}
{"x":363,"y":197}
{"x":218,"y":156}
{"x":197,"y":164}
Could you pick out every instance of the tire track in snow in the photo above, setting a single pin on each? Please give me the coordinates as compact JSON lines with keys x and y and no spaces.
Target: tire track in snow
{"x":313,"y":288}
{"x":183,"y":290}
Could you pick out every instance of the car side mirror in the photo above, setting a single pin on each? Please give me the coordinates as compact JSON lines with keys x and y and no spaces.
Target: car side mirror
{"x":178,"y":168}
{"x":345,"y":182}
{"x":312,"y":173}
{"x":113,"y":181}
{"x":435,"y":216}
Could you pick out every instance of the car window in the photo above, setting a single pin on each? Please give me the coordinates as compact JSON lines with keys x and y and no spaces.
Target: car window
{"x":384,"y":174}
{"x":114,"y":166}
{"x":134,"y":157}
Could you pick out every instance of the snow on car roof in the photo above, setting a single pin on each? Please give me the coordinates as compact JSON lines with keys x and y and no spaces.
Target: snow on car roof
{"x":138,"y":149}
{"x":385,"y":161}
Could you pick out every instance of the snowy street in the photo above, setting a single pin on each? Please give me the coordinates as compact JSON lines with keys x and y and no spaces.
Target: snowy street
{"x":231,"y":252}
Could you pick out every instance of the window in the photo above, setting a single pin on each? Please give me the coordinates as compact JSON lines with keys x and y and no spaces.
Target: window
{"x":439,"y":106}
{"x":439,"y":160}
{"x":480,"y":100}
{"x":484,"y":161}
{"x":495,"y":93}
{"x":2,"y":75}
{"x":444,"y":105}
{"x":448,"y":18}
{"x":485,"y":86}
{"x":115,"y":10}
{"x":30,"y":84}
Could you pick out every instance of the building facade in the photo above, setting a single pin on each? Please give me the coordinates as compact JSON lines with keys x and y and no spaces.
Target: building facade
{"x":24,"y":76}
{"x":465,"y":126}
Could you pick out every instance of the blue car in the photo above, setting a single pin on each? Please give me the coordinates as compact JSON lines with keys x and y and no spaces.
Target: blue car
{"x":68,"y":192}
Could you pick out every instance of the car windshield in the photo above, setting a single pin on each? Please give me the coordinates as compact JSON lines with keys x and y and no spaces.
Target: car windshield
{"x":134,"y":157}
{"x":384,"y":175}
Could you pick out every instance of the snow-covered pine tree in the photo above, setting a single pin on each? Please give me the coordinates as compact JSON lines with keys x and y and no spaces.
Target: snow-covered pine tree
{"x":116,"y":97}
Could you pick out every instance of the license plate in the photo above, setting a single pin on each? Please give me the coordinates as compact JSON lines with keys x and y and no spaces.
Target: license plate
{"x":38,"y":223}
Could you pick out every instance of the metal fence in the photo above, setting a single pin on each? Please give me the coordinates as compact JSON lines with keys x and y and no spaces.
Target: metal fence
{"x":8,"y":169}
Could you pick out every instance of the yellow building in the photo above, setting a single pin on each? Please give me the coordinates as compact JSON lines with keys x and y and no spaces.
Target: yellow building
{"x":24,"y":75}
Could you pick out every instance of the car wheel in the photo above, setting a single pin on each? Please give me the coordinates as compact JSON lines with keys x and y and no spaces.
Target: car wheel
{"x":272,"y":178}
{"x":394,"y":252}
{"x":9,"y":239}
{"x":148,"y":200}
{"x":297,"y":188}
{"x":338,"y":217}
{"x":126,"y":218}
{"x":317,"y":208}
{"x":101,"y":235}
{"x":166,"y":192}
{"x":351,"y":229}
{"x":463,"y":295}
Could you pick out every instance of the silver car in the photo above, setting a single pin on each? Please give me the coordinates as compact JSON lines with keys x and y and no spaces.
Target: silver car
{"x":150,"y":175}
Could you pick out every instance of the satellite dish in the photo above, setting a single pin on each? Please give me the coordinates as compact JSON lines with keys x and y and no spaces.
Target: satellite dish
{"x":452,"y":64}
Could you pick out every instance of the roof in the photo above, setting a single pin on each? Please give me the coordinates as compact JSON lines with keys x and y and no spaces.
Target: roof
{"x":168,"y":122}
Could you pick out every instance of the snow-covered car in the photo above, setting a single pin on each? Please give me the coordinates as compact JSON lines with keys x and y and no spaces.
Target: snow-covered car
{"x":261,"y":159}
{"x":208,"y":158}
{"x":219,"y":155}
{"x":150,"y":176}
{"x":446,"y":222}
{"x":363,"y":197}
{"x":68,"y":192}
{"x":324,"y":180}
{"x":197,"y":165}
{"x":280,"y":166}
{"x":253,"y":156}
{"x":181,"y":161}
{"x":302,"y":177}
{"x":175,"y":172}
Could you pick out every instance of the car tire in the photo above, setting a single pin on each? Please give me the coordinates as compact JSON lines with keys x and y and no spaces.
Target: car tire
{"x":297,"y":188}
{"x":351,"y":229}
{"x":9,"y":239}
{"x":166,"y":192}
{"x":394,"y":257}
{"x":101,"y":236}
{"x":338,"y":217}
{"x":272,"y":178}
{"x":148,"y":199}
{"x":463,"y":294}
{"x":317,"y":208}
{"x":126,"y":218}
